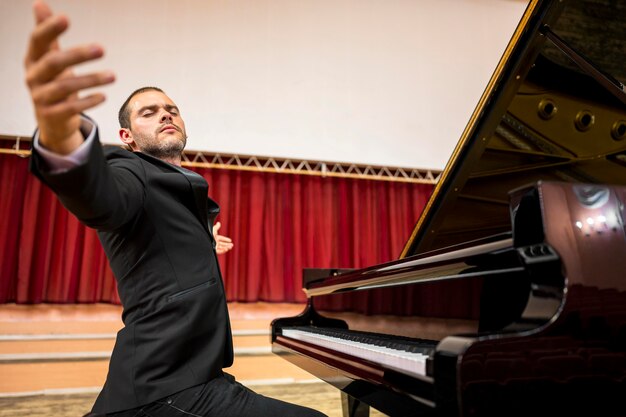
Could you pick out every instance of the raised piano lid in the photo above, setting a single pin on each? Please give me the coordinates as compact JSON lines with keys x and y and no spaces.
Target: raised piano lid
{"x":541,"y":117}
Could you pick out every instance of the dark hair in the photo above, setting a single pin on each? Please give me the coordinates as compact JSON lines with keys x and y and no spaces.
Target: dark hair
{"x":124,"y":114}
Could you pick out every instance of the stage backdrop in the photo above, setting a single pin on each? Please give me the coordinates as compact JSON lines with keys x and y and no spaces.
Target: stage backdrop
{"x":280,"y":223}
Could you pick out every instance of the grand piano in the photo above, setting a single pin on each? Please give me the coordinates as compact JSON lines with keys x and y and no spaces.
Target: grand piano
{"x":509,"y":298}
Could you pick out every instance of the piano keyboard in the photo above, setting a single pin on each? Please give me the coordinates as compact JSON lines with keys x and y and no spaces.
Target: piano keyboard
{"x":404,"y":355}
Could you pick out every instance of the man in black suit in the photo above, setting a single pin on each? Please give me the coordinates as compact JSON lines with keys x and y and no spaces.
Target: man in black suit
{"x":153,"y":219}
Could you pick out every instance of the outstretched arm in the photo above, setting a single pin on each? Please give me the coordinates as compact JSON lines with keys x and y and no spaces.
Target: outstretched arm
{"x":103,"y":196}
{"x":53,"y":85}
{"x":223,"y":243}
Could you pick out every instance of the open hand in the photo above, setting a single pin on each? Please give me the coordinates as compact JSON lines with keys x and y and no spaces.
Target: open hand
{"x":53,"y":85}
{"x":223,"y":243}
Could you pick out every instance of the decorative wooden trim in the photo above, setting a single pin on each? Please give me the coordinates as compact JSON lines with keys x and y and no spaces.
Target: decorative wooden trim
{"x":19,"y":145}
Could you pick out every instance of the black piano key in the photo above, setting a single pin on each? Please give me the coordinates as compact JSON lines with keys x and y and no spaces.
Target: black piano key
{"x":402,"y":343}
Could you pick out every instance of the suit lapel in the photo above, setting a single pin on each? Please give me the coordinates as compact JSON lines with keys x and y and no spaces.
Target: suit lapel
{"x":200,"y":190}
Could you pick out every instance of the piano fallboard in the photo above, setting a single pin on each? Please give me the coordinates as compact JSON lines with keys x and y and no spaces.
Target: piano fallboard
{"x":529,"y":322}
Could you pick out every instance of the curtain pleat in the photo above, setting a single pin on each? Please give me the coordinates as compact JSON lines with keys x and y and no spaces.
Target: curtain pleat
{"x":279,"y":223}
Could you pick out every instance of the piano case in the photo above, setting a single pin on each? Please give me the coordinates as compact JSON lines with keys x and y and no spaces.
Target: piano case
{"x":509,"y":298}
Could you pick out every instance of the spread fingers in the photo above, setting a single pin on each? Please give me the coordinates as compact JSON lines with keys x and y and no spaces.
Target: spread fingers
{"x":63,"y":87}
{"x":71,"y":106}
{"x":54,"y":62}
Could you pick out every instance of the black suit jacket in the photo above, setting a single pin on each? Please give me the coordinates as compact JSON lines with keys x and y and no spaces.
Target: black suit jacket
{"x":152,"y":220}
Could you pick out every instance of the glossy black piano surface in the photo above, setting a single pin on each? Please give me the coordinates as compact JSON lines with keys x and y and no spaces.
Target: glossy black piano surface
{"x":511,"y":289}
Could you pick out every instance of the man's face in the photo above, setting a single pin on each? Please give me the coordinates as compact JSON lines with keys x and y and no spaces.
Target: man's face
{"x":156,"y":127}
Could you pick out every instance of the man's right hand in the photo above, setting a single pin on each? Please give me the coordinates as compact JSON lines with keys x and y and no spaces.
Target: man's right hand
{"x":53,"y":85}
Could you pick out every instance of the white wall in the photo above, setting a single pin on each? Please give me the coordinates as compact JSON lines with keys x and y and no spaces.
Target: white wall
{"x":385,"y":82}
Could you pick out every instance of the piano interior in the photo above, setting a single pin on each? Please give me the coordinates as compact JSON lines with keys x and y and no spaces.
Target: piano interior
{"x":509,"y":297}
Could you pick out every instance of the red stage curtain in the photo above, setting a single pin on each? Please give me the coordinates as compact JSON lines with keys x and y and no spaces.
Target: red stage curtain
{"x":279,"y":223}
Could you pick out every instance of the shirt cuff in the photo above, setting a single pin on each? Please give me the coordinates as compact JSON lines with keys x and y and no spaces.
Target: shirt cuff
{"x":61,"y":163}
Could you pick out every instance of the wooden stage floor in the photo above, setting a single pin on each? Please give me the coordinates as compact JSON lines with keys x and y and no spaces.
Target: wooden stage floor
{"x":54,"y":357}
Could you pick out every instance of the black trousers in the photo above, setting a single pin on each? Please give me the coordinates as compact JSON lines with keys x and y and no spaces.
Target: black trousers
{"x":220,"y":397}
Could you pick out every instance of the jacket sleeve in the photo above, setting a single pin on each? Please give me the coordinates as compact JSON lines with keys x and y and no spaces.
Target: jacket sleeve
{"x":102,"y":194}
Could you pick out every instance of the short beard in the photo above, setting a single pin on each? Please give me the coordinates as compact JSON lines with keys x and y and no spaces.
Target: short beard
{"x":163,"y":150}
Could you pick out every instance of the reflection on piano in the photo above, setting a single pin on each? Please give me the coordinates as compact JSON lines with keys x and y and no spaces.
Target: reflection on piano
{"x":510,"y":296}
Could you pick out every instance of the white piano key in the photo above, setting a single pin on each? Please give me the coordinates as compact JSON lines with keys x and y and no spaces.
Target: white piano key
{"x":398,"y":360}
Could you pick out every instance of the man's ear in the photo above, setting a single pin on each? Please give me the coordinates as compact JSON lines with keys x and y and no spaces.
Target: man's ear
{"x":127,"y":137}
